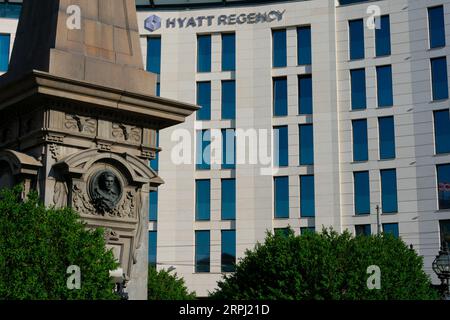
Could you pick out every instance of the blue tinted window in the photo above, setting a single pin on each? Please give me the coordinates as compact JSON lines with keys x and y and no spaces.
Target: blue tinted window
{"x":228,"y":149}
{"x":363,"y":230}
{"x":202,"y":199}
{"x":154,"y":164}
{"x":384,"y":86}
{"x":386,"y":137}
{"x":158,"y":89}
{"x":281,"y":231}
{"x":229,"y":100}
{"x":304,"y":45}
{"x":306,"y":144}
{"x":307,"y":207}
{"x":436,"y":27}
{"x":442,"y":131}
{"x":4,"y":52}
{"x":152,"y":238}
{"x":153,"y":214}
{"x":389,"y":191}
{"x":228,"y":199}
{"x":281,"y":186}
{"x":228,"y":250}
{"x":391,"y":228}
{"x":444,"y":228}
{"x":383,"y":37}
{"x":362,"y":192}
{"x":356,"y":35}
{"x":280,"y":105}
{"x":439,"y":78}
{"x":154,"y":54}
{"x":279,"y":48}
{"x":281,"y":146}
{"x":203,"y":157}
{"x":204,"y":53}
{"x":358,"y":88}
{"x":305,"y":95}
{"x":304,"y":230}
{"x":228,"y":52}
{"x":202,"y":251}
{"x":443,"y":173}
{"x":360,"y":149}
{"x":204,"y":100}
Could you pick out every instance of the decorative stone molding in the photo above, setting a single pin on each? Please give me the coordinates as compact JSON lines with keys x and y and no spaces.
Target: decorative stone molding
{"x":126,"y":133}
{"x":81,"y":124}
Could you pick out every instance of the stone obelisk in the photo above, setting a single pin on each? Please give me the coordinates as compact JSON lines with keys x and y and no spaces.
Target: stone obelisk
{"x":78,"y":120}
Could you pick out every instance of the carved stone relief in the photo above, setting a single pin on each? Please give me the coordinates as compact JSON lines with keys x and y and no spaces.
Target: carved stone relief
{"x":81,"y":124}
{"x":126,"y":133}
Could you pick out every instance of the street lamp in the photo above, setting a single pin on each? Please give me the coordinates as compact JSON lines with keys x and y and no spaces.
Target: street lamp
{"x":441,"y":266}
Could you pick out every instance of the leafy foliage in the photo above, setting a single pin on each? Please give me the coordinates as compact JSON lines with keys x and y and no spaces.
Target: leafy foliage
{"x":327,"y":266}
{"x":164,"y":286}
{"x":39,"y":244}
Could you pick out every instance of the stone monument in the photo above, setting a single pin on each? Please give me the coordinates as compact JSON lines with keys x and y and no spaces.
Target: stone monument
{"x":79,"y":117}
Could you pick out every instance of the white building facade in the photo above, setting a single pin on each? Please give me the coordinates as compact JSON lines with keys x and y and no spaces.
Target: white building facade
{"x":362,"y":119}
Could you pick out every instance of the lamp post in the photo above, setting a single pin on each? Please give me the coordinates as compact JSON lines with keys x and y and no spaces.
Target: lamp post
{"x":441,"y":266}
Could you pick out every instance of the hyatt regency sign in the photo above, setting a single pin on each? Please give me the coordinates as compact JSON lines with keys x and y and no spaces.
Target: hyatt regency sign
{"x":154,"y":22}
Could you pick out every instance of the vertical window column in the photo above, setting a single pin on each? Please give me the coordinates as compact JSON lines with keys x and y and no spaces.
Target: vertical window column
{"x":228,"y":208}
{"x":383,"y":37}
{"x":228,"y":100}
{"x":362,"y":192}
{"x":228,"y":254}
{"x":384,"y":86}
{"x":203,"y":161}
{"x":228,"y":52}
{"x":443,"y":178}
{"x":439,"y":78}
{"x":442,"y":131}
{"x":386,"y":134}
{"x":356,"y":36}
{"x":280,"y":92}
{"x":228,"y":149}
{"x":360,"y":140}
{"x":307,"y":203}
{"x":4,"y":51}
{"x":305,"y":94}
{"x":204,"y":53}
{"x":204,"y":100}
{"x":152,"y":245}
{"x":358,"y":89}
{"x":306,"y":144}
{"x":202,"y":200}
{"x":281,"y":195}
{"x":281,"y":146}
{"x":436,"y":27}
{"x":304,"y":45}
{"x":279,"y":44}
{"x":202,"y":251}
{"x":389,"y":203}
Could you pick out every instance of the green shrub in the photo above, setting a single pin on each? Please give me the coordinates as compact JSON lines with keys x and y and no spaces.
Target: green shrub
{"x":38,"y":245}
{"x":327,"y":266}
{"x":164,"y":286}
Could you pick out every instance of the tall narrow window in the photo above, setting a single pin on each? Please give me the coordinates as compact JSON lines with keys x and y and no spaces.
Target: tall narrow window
{"x":356,"y":36}
{"x":154,"y":54}
{"x":204,"y":100}
{"x":360,"y":148}
{"x":436,"y":27}
{"x":158,"y":89}
{"x":307,"y":204}
{"x":203,"y":161}
{"x":202,"y":251}
{"x":386,"y":134}
{"x":228,"y":100}
{"x":202,"y":200}
{"x":153,"y":214}
{"x":384,"y":86}
{"x":443,"y":177}
{"x":228,"y":149}
{"x":228,"y":257}
{"x":152,"y":245}
{"x":304,"y":45}
{"x":281,"y":146}
{"x":305,"y":94}
{"x":383,"y":37}
{"x":279,"y":48}
{"x":228,"y":52}
{"x":391,"y":228}
{"x":281,"y":188}
{"x":442,"y":131}
{"x":280,"y":91}
{"x":306,"y":144}
{"x":204,"y":53}
{"x":389,"y":202}
{"x":358,"y":88}
{"x":439,"y":78}
{"x":228,"y":199}
{"x":362,"y":192}
{"x":4,"y":51}
{"x":363,"y":230}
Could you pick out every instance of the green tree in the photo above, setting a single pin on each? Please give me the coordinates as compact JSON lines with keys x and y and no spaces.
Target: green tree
{"x":164,"y":286}
{"x":39,"y":244}
{"x":327,"y":266}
